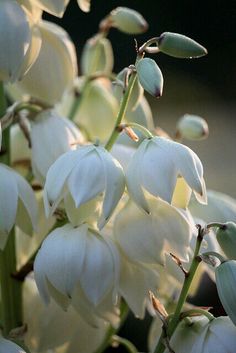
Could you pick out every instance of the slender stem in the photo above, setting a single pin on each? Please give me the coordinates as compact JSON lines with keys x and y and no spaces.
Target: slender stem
{"x":183,"y":295}
{"x":11,"y":289}
{"x":216,"y":224}
{"x":122,"y":111}
{"x":124,"y":342}
{"x":141,"y":128}
{"x":197,"y":312}
{"x":111,"y":331}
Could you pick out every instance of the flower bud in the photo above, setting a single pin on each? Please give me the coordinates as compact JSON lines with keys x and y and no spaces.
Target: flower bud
{"x":84,"y":5}
{"x":192,"y":127}
{"x":128,"y":20}
{"x":226,"y":237}
{"x":150,"y":76}
{"x":180,"y":46}
{"x":97,"y":55}
{"x":226,"y":287}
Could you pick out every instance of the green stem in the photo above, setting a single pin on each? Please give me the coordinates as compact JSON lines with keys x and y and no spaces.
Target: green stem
{"x":183,"y":296}
{"x":124,"y":342}
{"x":197,"y":312}
{"x":111,"y":331}
{"x":11,"y":289}
{"x":121,"y":114}
{"x":141,"y":128}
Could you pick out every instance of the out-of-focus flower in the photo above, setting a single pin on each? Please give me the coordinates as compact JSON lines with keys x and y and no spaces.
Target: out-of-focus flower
{"x":128,"y":20}
{"x":20,"y":41}
{"x":85,"y":174}
{"x":156,"y":166}
{"x":51,"y":136}
{"x":84,"y":5}
{"x":78,"y":265}
{"x":17,"y":204}
{"x":192,"y":127}
{"x":145,"y":238}
{"x":220,"y":208}
{"x":54,"y":7}
{"x":55,"y":68}
{"x":50,"y":327}
{"x":7,"y":346}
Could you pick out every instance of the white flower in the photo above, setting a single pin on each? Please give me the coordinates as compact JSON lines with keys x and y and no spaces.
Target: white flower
{"x":51,"y":136}
{"x":17,"y":204}
{"x":55,"y":68}
{"x":71,"y":258}
{"x":85,"y":174}
{"x":15,"y":39}
{"x":7,"y":346}
{"x":50,"y":327}
{"x":146,"y":237}
{"x":156,"y":166}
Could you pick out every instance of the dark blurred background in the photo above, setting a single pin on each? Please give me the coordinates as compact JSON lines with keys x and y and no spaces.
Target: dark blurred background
{"x":205,"y":86}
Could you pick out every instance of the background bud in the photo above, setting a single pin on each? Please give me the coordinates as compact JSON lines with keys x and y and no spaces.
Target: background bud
{"x":150,"y":76}
{"x":180,"y":46}
{"x":128,"y":20}
{"x":226,"y":237}
{"x":192,"y":127}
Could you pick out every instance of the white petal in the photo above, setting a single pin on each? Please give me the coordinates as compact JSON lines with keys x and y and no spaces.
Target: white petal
{"x":114,"y":188}
{"x":7,"y":346}
{"x":87,"y":179}
{"x":84,"y":5}
{"x":133,"y":177}
{"x":97,"y":277}
{"x":40,"y":278}
{"x":8,"y":198}
{"x":56,"y":178}
{"x":54,"y":7}
{"x":27,"y":197}
{"x":223,"y":328}
{"x":159,"y":172}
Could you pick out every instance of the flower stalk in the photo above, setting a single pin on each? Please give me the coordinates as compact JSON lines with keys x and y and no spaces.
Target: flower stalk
{"x":183,"y":294}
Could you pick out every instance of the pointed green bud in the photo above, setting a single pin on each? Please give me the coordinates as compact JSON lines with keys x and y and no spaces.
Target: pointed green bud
{"x":192,"y":127}
{"x":226,"y":237}
{"x":128,"y":20}
{"x":226,"y":287}
{"x":97,"y":56}
{"x":150,"y":76}
{"x":180,"y":46}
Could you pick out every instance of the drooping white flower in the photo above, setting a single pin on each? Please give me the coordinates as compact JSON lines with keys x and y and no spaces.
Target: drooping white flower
{"x":17,"y":204}
{"x":156,"y":166}
{"x":51,"y":136}
{"x":15,"y":39}
{"x":55,"y":68}
{"x":146,"y":237}
{"x":7,"y":346}
{"x":71,"y":258}
{"x":85,"y":174}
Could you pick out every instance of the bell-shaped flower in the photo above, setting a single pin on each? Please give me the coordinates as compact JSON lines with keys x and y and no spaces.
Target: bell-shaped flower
{"x":7,"y":346}
{"x":55,"y":68}
{"x":54,"y":7}
{"x":73,"y":259}
{"x":146,"y":237}
{"x":50,"y":327}
{"x":220,"y":207}
{"x":155,"y":168}
{"x":19,"y":42}
{"x":51,"y":136}
{"x":85,"y":174}
{"x":17,"y":204}
{"x":199,"y":335}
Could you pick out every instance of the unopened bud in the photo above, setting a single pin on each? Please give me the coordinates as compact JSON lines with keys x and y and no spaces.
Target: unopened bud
{"x":97,"y":56}
{"x":150,"y":76}
{"x":226,"y":287}
{"x":226,"y":237}
{"x":128,"y":20}
{"x":192,"y":127}
{"x":180,"y":46}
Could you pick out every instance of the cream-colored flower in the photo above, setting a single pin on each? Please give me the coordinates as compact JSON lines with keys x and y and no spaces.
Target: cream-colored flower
{"x":155,"y":168}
